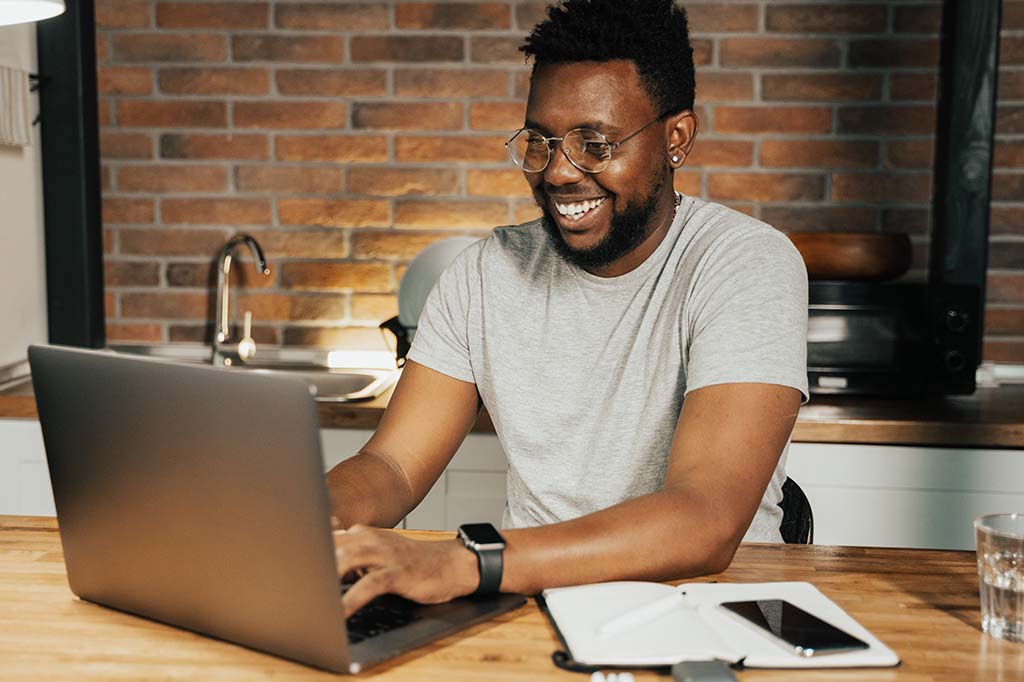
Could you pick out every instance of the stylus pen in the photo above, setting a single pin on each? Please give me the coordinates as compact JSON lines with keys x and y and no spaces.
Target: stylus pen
{"x":639,"y":616}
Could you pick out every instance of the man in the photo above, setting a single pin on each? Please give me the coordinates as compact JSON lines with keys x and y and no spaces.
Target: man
{"x":582,"y":332}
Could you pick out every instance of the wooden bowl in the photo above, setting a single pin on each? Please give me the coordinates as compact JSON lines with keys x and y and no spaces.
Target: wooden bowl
{"x":853,"y":256}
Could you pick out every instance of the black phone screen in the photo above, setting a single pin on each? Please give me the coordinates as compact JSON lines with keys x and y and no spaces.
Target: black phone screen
{"x":808,"y":634}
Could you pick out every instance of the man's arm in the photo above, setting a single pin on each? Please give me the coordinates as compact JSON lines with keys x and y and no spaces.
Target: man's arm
{"x":727,"y":444}
{"x":426,"y":420}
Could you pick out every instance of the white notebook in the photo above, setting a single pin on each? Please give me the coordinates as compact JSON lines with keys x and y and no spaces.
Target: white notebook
{"x":697,"y":628}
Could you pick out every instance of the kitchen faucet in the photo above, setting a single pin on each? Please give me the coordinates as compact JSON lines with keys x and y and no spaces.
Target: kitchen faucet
{"x":246,"y":347}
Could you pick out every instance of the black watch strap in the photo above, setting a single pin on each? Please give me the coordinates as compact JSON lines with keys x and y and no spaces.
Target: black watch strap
{"x":490,"y":562}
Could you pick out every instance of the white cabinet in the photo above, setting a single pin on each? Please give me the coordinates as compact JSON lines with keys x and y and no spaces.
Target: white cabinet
{"x":904,"y":496}
{"x":24,"y":479}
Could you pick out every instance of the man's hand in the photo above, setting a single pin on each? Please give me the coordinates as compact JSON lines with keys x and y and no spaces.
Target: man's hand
{"x":428,"y":572}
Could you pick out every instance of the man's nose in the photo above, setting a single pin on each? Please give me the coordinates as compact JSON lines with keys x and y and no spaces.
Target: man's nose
{"x":560,"y":170}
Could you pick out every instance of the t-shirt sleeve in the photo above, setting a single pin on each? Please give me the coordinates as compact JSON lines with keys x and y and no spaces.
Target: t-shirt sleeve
{"x":748,"y":318}
{"x":442,"y":333}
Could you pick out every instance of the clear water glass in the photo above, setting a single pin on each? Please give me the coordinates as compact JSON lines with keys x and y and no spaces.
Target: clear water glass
{"x":1000,"y":545}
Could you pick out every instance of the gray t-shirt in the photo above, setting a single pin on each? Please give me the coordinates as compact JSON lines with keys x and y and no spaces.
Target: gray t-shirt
{"x":584,"y":377}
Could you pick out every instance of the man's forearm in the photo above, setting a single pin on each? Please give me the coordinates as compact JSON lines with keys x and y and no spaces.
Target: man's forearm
{"x":666,"y":535}
{"x":369,"y":489}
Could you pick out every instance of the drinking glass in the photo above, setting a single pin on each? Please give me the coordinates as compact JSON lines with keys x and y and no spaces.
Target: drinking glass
{"x":1000,"y":540}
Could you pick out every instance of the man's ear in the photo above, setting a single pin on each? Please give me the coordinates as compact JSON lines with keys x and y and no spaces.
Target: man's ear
{"x":682,"y":133}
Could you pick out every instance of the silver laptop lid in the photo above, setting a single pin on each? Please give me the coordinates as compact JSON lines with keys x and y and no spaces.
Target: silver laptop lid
{"x":194,"y":496}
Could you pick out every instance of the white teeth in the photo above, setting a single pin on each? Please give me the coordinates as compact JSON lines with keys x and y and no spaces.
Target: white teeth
{"x":578,"y":209}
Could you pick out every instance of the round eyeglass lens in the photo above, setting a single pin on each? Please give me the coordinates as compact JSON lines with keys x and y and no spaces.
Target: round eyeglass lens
{"x":588,"y":150}
{"x":529,"y":150}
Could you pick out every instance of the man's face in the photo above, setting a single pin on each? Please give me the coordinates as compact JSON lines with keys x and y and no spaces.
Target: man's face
{"x":609,"y":98}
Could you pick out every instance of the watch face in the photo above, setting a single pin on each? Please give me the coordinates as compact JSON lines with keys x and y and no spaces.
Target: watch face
{"x":482,"y":534}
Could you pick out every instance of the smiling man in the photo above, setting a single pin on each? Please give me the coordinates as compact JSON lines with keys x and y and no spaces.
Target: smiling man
{"x":641,"y":353}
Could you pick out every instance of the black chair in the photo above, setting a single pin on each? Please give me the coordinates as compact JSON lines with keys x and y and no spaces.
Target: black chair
{"x":797,"y":518}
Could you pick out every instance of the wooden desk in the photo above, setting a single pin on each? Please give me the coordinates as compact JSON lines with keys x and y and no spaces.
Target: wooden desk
{"x":922,"y":603}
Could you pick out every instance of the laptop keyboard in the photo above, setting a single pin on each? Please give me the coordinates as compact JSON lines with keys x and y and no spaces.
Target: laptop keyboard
{"x":383,"y":614}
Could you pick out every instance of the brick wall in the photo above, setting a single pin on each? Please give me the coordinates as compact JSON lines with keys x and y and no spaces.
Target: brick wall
{"x":348,"y":136}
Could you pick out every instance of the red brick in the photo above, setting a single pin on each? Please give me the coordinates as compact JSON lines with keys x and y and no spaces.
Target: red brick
{"x":1011,"y":84}
{"x":164,"y":242}
{"x":924,"y":19}
{"x":906,"y":220}
{"x":373,"y":307}
{"x":215,"y":81}
{"x":124,"y":80}
{"x":125,"y":210}
{"x":116,"y":331}
{"x":392,"y":48}
{"x":170,"y":47}
{"x":450,"y":83}
{"x":1007,"y":186}
{"x":105,"y":177}
{"x":332,"y":82}
{"x":104,"y":112}
{"x":894,"y":54}
{"x":688,"y":182}
{"x":219,"y":211}
{"x":496,"y":50}
{"x":390,"y":181}
{"x":220,"y":14}
{"x":204,"y":275}
{"x":724,"y":87}
{"x":281,"y":307}
{"x":910,"y":154}
{"x":289,"y":179}
{"x":881,"y":187}
{"x":213,"y":146}
{"x":913,"y":86}
{"x":370,"y":16}
{"x":1011,"y":49}
{"x":712,"y":152}
{"x":1003,"y":350}
{"x":525,"y":211}
{"x":314,"y":115}
{"x":332,"y":276}
{"x":528,"y":14}
{"x":1007,"y":220}
{"x":393,"y":245}
{"x":820,"y":218}
{"x":715,"y":19}
{"x":451,"y":149}
{"x":102,"y":48}
{"x":824,"y":87}
{"x":296,"y":243}
{"x":522,"y":83}
{"x":110,"y":303}
{"x":504,"y":116}
{"x":1009,"y":120}
{"x":1005,"y":255}
{"x":339,"y":148}
{"x":407,"y":115}
{"x":773,"y":120}
{"x":333,"y":213}
{"x":497,"y":183}
{"x":702,"y":51}
{"x":450,"y":214}
{"x":171,"y":179}
{"x":887,"y":120}
{"x":119,"y":273}
{"x":766,"y":186}
{"x":203,"y":333}
{"x":779,"y":52}
{"x":167,"y":305}
{"x":1004,"y":320}
{"x":1013,"y":16}
{"x":360,"y":338}
{"x":171,"y":114}
{"x":1005,"y":287}
{"x":431,"y":15}
{"x":822,"y":18}
{"x":819,"y":154}
{"x":276,"y":48}
{"x":122,"y":14}
{"x":117,"y":145}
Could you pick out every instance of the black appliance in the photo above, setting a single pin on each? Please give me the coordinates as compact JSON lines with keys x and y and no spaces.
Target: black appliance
{"x":926,"y":338}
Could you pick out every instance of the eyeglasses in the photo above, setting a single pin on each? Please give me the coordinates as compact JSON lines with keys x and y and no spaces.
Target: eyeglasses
{"x":586,"y":149}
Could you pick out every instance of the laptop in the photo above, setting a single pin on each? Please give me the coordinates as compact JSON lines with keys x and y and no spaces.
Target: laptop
{"x":195,"y":496}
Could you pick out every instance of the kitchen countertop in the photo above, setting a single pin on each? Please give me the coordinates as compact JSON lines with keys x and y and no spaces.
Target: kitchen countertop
{"x":992,"y":417}
{"x":922,"y":603}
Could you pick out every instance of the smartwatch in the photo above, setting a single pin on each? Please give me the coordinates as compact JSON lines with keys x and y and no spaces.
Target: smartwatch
{"x":486,"y":542}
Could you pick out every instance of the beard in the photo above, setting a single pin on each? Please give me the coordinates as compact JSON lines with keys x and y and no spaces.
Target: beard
{"x":627,"y":231}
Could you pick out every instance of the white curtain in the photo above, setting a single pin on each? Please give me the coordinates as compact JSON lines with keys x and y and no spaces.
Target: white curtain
{"x":15,"y":121}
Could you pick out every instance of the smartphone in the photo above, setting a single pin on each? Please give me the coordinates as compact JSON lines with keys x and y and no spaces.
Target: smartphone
{"x":794,"y":628}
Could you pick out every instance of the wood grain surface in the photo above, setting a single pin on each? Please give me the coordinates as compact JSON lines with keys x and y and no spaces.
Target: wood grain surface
{"x":922,"y":603}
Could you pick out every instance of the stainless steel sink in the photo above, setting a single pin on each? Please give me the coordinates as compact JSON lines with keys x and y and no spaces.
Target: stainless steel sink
{"x":333,"y":384}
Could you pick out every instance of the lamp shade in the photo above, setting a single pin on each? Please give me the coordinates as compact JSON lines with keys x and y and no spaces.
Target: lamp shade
{"x":21,"y":11}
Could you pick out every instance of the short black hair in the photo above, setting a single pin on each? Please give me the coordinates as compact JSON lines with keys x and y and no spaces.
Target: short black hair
{"x":653,"y":34}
